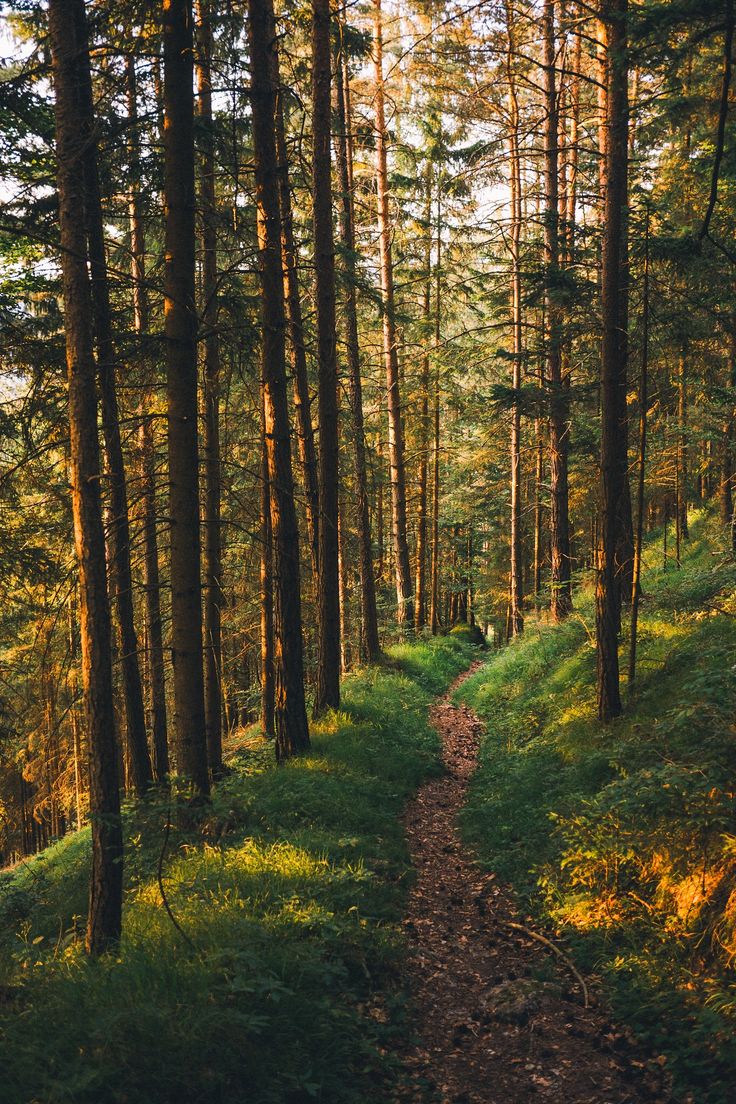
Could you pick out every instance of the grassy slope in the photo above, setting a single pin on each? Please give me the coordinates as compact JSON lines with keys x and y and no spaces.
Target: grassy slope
{"x":288,"y":895}
{"x":624,"y":837}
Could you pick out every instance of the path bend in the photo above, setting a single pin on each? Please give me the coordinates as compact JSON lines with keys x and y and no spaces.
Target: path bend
{"x":490,"y":1030}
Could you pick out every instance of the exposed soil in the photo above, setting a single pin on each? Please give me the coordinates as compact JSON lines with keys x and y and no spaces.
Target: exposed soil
{"x":500,"y":1018}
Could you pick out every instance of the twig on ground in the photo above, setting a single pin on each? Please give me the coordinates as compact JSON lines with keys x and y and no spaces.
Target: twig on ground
{"x":553,"y":947}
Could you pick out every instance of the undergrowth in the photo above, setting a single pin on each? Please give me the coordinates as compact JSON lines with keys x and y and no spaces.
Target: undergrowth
{"x":624,"y":836}
{"x":278,"y":982}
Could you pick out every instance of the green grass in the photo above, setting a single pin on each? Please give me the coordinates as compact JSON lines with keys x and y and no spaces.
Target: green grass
{"x":623,"y":838}
{"x":283,"y":988}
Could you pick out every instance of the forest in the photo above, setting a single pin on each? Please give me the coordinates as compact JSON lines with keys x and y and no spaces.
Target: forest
{"x":367,"y":551}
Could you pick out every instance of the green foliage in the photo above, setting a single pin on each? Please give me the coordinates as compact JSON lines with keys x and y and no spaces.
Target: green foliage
{"x":274,"y":985}
{"x":622,"y":836}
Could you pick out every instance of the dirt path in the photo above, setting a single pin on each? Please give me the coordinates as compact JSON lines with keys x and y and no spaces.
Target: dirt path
{"x":500,"y":1020}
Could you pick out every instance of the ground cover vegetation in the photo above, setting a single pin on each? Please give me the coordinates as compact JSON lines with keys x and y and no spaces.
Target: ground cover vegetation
{"x":279,"y":954}
{"x":326,"y":331}
{"x":621,"y":837}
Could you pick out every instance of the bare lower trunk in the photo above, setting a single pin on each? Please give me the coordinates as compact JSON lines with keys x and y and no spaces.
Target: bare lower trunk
{"x":613,"y":353}
{"x":559,"y":398}
{"x":727,"y":463}
{"x":327,"y":689}
{"x":538,"y":529}
{"x":370,"y":645}
{"x":292,"y":733}
{"x":268,"y":689}
{"x":121,"y":578}
{"x":682,"y":450}
{"x":212,"y":575}
{"x":434,"y":589}
{"x":405,"y":610}
{"x":69,"y":54}
{"x":151,"y":578}
{"x":643,"y":410}
{"x":295,"y":328}
{"x":516,"y":580}
{"x":181,"y":387}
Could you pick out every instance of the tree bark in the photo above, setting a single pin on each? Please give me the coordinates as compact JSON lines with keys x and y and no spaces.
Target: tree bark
{"x":420,"y":596}
{"x":516,"y":581}
{"x":405,"y":610}
{"x":292,"y":733}
{"x":370,"y":645}
{"x":268,"y":688}
{"x":434,"y":589}
{"x":69,"y":55}
{"x":121,"y":576}
{"x":613,"y":365}
{"x":327,"y":689}
{"x":682,"y":451}
{"x":181,"y":387}
{"x":643,"y":410}
{"x":213,"y":593}
{"x":295,"y":327}
{"x":151,"y":576}
{"x":727,"y":473}
{"x":559,"y":398}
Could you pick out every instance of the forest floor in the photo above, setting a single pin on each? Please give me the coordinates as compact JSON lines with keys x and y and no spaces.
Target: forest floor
{"x":501,"y":1017}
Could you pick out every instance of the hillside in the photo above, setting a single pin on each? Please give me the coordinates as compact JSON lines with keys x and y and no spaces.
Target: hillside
{"x":266,"y":980}
{"x":622,"y":838}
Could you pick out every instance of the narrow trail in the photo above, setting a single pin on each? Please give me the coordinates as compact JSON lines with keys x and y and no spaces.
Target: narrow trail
{"x":500,"y":1019}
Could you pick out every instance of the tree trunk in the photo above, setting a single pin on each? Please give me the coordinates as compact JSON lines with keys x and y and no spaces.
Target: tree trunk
{"x":327,"y":690}
{"x":69,"y":56}
{"x":213,"y":594}
{"x":516,"y":596}
{"x":538,"y":529}
{"x":643,"y":405}
{"x":121,"y":577}
{"x":613,"y":366}
{"x":268,"y":689}
{"x":682,"y":457}
{"x":370,"y":645}
{"x":297,"y":348}
{"x":405,"y":611}
{"x":343,"y":556}
{"x":726,"y":488}
{"x":151,"y":579}
{"x":420,"y":596}
{"x":181,"y":387}
{"x":434,"y":589}
{"x":292,"y":733}
{"x":559,"y":398}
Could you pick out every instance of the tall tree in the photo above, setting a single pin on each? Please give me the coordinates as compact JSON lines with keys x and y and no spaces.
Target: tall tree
{"x":641,"y":480}
{"x":327,"y":690}
{"x":404,"y":598}
{"x":516,"y":618}
{"x":151,"y":573}
{"x":559,"y":398}
{"x":268,"y":688}
{"x":213,"y":593}
{"x":139,"y":762}
{"x":69,"y":56}
{"x":370,"y":645}
{"x":420,"y":573}
{"x":181,"y":388}
{"x":295,"y":329}
{"x":613,"y":354}
{"x":434,"y":585}
{"x":290,"y":722}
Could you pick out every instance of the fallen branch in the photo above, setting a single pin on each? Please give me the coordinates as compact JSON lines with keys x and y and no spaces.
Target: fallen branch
{"x":720,"y":609}
{"x":553,"y":947}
